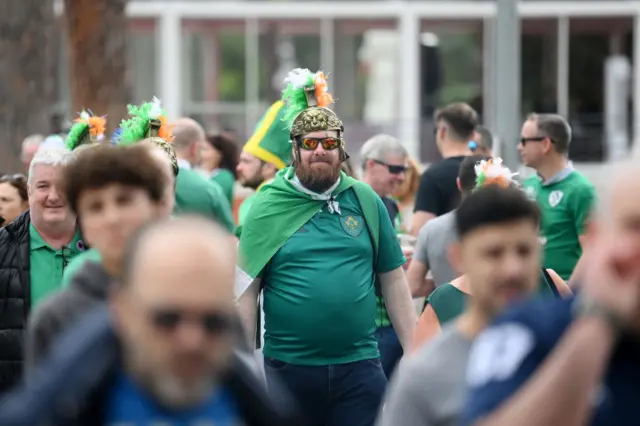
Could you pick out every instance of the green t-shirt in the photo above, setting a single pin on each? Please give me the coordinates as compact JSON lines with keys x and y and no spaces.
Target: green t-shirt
{"x":47,"y":265}
{"x":225,"y":179}
{"x":565,"y":203}
{"x":448,"y":301}
{"x":319,"y":297}
{"x":195,"y":194}
{"x":76,"y":263}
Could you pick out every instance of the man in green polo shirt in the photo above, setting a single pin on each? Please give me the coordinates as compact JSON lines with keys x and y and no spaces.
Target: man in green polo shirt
{"x":564,"y":195}
{"x":34,"y":250}
{"x":267,"y":151}
{"x":48,"y":263}
{"x":54,"y":238}
{"x":314,"y":241}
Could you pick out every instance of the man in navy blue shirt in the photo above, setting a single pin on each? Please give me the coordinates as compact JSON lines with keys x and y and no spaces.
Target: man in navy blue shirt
{"x":163,"y":351}
{"x":571,"y":362}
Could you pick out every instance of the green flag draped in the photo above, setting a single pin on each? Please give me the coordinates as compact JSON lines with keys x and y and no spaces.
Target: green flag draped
{"x":279,"y":210}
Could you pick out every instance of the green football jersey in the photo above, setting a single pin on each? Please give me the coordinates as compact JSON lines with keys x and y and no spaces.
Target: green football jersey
{"x":565,"y":203}
{"x":319,"y":295}
{"x":448,"y":302}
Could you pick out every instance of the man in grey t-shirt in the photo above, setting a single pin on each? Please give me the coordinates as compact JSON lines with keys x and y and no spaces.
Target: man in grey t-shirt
{"x":429,"y":389}
{"x":434,"y":239}
{"x":496,"y":227}
{"x":432,"y":248}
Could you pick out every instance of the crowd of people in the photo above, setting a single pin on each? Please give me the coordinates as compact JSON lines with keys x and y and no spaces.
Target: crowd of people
{"x":167,"y":276}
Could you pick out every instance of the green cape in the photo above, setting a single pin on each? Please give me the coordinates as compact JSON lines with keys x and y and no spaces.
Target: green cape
{"x":270,"y":141}
{"x":279,"y":210}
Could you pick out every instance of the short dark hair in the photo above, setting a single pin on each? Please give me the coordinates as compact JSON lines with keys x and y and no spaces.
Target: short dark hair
{"x":486,"y":138}
{"x":460,"y":118}
{"x":229,"y":151}
{"x":19,"y":182}
{"x":494,"y":205}
{"x":104,"y":165}
{"x":467,"y":172}
{"x":554,"y":127}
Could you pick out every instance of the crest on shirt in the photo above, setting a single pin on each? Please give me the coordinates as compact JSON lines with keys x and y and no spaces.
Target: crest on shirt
{"x":555,"y":197}
{"x":531,"y":192}
{"x":352,"y":225}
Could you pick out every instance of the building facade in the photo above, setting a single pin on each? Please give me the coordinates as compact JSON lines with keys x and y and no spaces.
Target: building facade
{"x":391,"y":63}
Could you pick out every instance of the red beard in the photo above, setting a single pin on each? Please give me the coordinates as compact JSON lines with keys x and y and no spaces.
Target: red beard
{"x":318,"y":176}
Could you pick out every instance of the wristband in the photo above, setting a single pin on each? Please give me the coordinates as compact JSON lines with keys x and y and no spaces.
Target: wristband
{"x":586,"y":307}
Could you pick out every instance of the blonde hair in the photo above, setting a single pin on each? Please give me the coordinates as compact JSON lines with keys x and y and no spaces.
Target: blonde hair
{"x":408,"y":189}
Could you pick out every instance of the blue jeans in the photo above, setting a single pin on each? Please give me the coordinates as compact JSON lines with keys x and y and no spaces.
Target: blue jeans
{"x":333,"y":395}
{"x":390,"y":349}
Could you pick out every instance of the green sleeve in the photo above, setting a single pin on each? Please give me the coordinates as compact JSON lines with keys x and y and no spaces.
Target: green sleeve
{"x":390,"y":255}
{"x":76,"y":263}
{"x":224,"y":178}
{"x":582,"y":204}
{"x":220,"y":207}
{"x":243,"y":211}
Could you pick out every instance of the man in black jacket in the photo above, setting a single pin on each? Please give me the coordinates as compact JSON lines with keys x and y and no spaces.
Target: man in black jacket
{"x":113,"y":191}
{"x":34,"y":250}
{"x":164,"y":351}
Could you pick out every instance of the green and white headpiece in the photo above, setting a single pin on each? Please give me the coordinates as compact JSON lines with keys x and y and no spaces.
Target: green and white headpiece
{"x":307,"y":99}
{"x":86,"y":130}
{"x":149,"y":122}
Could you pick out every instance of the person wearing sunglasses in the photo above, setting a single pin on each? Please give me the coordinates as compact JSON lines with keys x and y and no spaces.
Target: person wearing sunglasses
{"x":317,"y":243}
{"x":14,"y":197}
{"x":384,"y":162}
{"x":483,"y":139}
{"x":565,"y":196}
{"x":161,"y":350}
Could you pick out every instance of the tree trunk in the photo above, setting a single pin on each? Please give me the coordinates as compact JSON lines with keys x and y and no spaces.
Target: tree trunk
{"x":96,"y":35}
{"x":27,"y":75}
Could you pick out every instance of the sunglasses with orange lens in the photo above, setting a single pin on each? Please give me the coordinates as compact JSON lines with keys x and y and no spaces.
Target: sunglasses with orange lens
{"x":329,"y":144}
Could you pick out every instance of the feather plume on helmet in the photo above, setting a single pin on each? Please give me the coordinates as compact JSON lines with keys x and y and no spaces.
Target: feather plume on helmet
{"x":87,"y":129}
{"x":148,"y":122}
{"x":493,"y":172}
{"x":307,"y":98}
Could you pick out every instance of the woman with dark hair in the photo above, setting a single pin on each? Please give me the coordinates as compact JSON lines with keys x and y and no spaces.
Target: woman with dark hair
{"x":14,"y":197}
{"x":219,"y":161}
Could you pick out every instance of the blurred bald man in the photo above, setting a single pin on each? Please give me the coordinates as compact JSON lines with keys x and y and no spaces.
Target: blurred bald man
{"x":164,"y":350}
{"x":30,"y":146}
{"x":194,"y":193}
